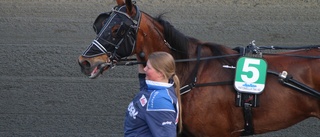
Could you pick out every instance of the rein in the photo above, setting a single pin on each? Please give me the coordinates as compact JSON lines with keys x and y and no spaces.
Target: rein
{"x":188,"y":87}
{"x":290,"y":48}
{"x":181,"y":60}
{"x":292,"y":55}
{"x":133,"y":62}
{"x":232,"y":55}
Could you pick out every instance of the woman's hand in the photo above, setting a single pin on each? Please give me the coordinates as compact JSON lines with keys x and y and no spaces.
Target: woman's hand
{"x":141,"y":68}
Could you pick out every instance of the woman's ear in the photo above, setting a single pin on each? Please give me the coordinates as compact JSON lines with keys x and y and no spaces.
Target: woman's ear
{"x":163,"y":75}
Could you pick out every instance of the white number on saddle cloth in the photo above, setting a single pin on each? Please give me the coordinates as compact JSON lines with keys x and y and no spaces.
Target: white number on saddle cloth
{"x":250,"y":75}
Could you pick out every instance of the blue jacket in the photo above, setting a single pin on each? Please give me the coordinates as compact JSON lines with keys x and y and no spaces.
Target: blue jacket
{"x":153,"y":112}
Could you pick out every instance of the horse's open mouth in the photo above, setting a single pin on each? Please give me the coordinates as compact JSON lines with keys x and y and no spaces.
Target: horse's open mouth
{"x":95,"y":72}
{"x":99,"y":69}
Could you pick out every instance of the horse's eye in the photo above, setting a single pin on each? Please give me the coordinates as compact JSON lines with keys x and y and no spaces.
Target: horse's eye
{"x":114,"y":30}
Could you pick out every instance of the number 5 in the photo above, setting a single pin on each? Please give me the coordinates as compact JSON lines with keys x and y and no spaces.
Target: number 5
{"x":248,"y":68}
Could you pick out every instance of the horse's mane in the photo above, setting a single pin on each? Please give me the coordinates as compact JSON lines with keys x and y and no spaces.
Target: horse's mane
{"x":180,"y":42}
{"x":177,"y":40}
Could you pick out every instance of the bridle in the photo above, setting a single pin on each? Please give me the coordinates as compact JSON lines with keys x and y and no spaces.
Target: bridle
{"x":120,"y":43}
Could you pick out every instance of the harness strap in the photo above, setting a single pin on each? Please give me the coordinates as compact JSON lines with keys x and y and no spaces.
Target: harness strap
{"x":289,"y":81}
{"x":185,"y":89}
{"x":188,"y":87}
{"x":248,"y":126}
{"x":195,"y":71}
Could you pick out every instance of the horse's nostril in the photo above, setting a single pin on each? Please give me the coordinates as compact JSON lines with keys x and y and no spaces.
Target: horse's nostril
{"x":85,"y":64}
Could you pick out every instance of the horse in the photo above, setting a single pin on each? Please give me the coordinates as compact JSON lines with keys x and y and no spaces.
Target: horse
{"x":206,"y":71}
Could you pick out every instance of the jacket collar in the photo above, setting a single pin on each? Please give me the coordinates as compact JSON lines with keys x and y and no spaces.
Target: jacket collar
{"x":154,"y":85}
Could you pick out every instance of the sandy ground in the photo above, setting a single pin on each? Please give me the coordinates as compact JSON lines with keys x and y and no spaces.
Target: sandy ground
{"x":43,"y":93}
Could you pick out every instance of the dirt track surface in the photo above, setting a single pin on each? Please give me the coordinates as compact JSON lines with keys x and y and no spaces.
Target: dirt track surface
{"x":43,"y":93}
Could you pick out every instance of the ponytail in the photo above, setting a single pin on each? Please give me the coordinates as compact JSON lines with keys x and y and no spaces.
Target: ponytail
{"x":177,"y":90}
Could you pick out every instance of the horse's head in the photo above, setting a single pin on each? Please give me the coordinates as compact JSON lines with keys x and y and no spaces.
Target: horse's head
{"x":123,"y":32}
{"x":116,"y":38}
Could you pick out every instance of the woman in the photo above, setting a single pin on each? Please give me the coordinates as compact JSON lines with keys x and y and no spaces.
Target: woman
{"x":155,"y":110}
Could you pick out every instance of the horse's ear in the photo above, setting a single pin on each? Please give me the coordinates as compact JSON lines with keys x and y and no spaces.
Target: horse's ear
{"x":120,"y":2}
{"x":130,"y":9}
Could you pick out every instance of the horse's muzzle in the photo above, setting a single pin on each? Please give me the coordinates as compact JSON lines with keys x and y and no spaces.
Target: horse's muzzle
{"x":95,"y":66}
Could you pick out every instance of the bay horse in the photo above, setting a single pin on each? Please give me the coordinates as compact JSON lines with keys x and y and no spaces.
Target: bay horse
{"x":208,"y":110}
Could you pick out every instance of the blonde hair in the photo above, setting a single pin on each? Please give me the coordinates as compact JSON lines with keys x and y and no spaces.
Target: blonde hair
{"x":163,"y":62}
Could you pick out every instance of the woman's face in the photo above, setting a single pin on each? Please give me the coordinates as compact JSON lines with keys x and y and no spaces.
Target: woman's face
{"x":152,"y":74}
